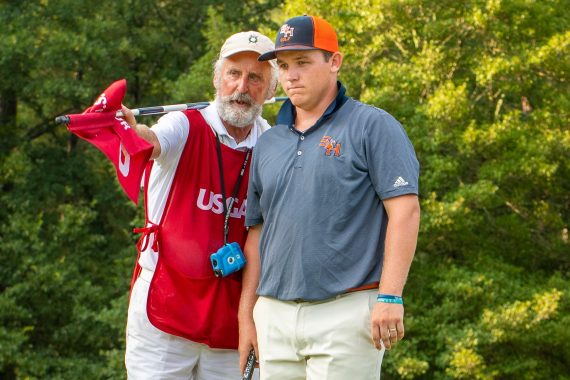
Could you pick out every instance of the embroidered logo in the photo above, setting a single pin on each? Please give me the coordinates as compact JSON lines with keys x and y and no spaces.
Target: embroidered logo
{"x":287,"y":33}
{"x":252,"y":39}
{"x":400,"y":182}
{"x":101,"y":102}
{"x":330,"y":145}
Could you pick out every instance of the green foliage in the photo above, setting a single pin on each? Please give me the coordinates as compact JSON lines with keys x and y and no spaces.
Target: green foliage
{"x":481,"y":87}
{"x":62,"y":263}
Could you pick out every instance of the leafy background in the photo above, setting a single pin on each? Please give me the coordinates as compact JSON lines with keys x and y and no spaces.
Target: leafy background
{"x":480,"y":86}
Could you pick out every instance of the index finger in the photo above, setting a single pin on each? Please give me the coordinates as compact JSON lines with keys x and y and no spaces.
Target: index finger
{"x":128,"y":116}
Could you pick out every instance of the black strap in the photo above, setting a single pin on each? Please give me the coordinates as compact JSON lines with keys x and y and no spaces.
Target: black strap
{"x":228,"y":208}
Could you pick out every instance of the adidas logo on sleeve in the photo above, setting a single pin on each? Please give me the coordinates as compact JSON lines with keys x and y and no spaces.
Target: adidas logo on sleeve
{"x":400,"y":182}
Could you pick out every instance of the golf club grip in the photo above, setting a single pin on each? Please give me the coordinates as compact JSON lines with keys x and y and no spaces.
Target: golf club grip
{"x":248,"y":372}
{"x":62,"y":120}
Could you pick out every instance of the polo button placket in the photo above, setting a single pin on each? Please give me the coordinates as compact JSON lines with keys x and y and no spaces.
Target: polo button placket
{"x":299,"y":153}
{"x":298,"y":158}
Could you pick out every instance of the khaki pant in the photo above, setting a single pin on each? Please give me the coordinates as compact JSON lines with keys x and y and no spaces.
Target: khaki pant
{"x":326,"y":340}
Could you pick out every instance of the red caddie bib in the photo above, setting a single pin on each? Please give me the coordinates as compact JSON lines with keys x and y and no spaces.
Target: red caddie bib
{"x":185,"y":298}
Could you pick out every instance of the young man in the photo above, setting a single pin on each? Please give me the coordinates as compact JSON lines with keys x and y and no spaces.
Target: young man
{"x":334,"y":216}
{"x":182,"y":321}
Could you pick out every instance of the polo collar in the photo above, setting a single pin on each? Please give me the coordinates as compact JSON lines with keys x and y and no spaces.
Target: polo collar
{"x":287,"y":112}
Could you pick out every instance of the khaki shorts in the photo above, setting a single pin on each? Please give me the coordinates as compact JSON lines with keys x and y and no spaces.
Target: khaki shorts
{"x":326,"y":340}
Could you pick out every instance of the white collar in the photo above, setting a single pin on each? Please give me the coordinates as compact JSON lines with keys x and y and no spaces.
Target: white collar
{"x":210,"y":114}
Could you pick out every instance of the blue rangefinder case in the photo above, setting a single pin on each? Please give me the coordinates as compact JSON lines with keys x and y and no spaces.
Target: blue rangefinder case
{"x":227,"y":260}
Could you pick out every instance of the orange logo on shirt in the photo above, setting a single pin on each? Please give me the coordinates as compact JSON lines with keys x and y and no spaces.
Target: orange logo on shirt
{"x":330,"y":146}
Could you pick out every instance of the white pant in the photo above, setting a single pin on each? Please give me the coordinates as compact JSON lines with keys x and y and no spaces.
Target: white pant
{"x":155,"y":355}
{"x":328,"y":340}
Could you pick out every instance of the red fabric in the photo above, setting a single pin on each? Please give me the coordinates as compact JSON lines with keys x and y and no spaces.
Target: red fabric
{"x":142,"y":244}
{"x":114,"y":137}
{"x":185,"y":298}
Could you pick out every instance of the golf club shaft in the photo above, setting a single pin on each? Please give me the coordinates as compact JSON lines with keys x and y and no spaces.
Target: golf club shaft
{"x":145,"y":111}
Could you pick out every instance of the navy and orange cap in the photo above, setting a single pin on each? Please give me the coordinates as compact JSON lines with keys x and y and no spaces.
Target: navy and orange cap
{"x":304,"y":33}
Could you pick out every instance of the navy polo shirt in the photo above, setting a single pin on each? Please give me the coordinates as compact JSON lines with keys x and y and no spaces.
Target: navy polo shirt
{"x":319,"y":197}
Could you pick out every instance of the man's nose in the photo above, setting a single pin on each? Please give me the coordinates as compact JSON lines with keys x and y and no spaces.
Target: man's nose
{"x":291,"y":75}
{"x":242,"y":85}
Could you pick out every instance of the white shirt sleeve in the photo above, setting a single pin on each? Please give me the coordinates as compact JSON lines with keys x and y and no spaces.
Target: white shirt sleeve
{"x":172,"y":132}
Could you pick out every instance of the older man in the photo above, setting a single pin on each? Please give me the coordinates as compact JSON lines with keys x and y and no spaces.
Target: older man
{"x":182,"y":321}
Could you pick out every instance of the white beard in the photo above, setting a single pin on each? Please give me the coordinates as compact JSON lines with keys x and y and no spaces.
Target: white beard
{"x":235,"y":115}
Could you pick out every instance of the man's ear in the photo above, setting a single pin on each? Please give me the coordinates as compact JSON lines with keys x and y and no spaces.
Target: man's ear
{"x":215,"y":81}
{"x":336,"y":62}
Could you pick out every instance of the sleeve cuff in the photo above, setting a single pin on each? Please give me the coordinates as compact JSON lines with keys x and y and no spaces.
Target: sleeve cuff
{"x":249,"y":222}
{"x":397,"y":192}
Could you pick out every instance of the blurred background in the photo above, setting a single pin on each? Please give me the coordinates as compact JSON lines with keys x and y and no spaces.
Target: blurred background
{"x":481,"y":87}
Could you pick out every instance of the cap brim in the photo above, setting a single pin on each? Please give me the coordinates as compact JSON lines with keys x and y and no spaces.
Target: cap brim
{"x":272,"y":54}
{"x":237,"y":51}
{"x":229,"y":53}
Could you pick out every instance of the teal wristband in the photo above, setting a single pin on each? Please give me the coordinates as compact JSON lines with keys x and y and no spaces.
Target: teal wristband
{"x":388,"y":298}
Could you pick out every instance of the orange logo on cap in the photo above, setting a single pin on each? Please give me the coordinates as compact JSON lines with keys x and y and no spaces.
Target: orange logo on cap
{"x":287,"y":33}
{"x":330,"y":146}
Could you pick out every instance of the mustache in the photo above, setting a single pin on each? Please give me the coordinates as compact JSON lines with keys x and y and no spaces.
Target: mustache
{"x":239,"y":97}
